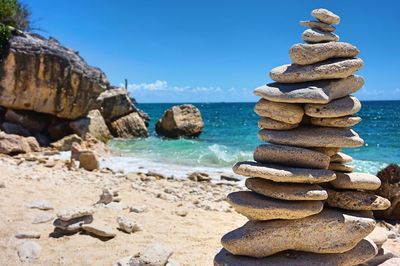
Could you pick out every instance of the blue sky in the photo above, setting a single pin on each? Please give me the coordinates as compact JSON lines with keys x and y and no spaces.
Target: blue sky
{"x":215,"y":50}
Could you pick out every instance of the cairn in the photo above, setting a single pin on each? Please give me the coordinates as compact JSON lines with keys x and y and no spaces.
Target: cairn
{"x":305,"y":205}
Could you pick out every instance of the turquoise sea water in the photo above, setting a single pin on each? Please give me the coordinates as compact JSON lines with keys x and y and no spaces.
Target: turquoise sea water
{"x":230,"y":136}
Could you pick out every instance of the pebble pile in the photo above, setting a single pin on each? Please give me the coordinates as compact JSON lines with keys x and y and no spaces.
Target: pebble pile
{"x":304,"y":204}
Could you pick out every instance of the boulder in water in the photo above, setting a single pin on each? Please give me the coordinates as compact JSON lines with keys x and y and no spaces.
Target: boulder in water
{"x":180,"y":121}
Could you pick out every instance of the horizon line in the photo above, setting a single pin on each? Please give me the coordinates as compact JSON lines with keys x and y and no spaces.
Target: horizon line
{"x":189,"y":102}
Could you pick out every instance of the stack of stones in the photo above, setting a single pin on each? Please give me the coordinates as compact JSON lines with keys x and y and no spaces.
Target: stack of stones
{"x":305,"y":205}
{"x":71,"y":220}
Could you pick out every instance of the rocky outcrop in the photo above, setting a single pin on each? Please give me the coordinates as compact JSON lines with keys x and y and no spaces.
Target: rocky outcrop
{"x":41,"y":75}
{"x":129,"y":126}
{"x":114,"y":103}
{"x":92,"y":124}
{"x":65,"y":143}
{"x":180,"y":121}
{"x":13,"y":144}
{"x":48,"y":91}
{"x":390,"y":189}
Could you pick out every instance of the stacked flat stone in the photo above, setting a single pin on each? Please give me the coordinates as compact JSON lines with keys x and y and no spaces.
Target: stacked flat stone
{"x":71,"y":220}
{"x":304,"y":204}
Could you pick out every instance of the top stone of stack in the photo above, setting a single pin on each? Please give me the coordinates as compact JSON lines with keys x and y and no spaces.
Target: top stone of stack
{"x":325,"y":16}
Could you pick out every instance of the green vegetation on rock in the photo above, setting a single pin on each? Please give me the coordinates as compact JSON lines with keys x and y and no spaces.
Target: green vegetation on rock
{"x":13,"y":14}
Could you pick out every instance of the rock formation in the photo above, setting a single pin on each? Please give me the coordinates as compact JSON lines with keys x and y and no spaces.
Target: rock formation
{"x":180,"y":121}
{"x":305,"y":205}
{"x":390,"y":189}
{"x":47,"y":91}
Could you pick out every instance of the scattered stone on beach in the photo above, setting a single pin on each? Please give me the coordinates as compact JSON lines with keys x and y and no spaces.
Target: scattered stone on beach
{"x":2,"y":184}
{"x":100,"y":229}
{"x":306,"y":54}
{"x":341,"y":167}
{"x":127,"y":225}
{"x":199,"y":177}
{"x":356,"y":200}
{"x":279,"y":173}
{"x":284,"y":112}
{"x":43,"y":218}
{"x":258,"y":207}
{"x":345,"y":121}
{"x":92,"y":124}
{"x":378,"y":236}
{"x":322,"y":91}
{"x":361,"y":181}
{"x":137,"y":209}
{"x":180,"y":121}
{"x":325,"y":16}
{"x":107,"y":196}
{"x":158,"y":176}
{"x":88,"y":160}
{"x":182,"y":213}
{"x":286,"y":191}
{"x":290,"y":156}
{"x":73,"y":224}
{"x":362,"y":252}
{"x":269,"y":123}
{"x":74,"y":212}
{"x":12,"y":144}
{"x":44,"y":205}
{"x":316,"y":36}
{"x":155,"y":254}
{"x":318,"y":25}
{"x":310,"y":136}
{"x":27,"y":235}
{"x":330,"y":231}
{"x":341,"y":107}
{"x":28,"y":250}
{"x":341,"y":157}
{"x":334,"y":68}
{"x":230,"y":178}
{"x":65,"y":143}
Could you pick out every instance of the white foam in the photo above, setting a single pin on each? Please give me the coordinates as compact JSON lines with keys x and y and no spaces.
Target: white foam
{"x":134,"y":164}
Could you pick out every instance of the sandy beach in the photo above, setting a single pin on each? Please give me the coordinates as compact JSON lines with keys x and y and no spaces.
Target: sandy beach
{"x":186,"y":216}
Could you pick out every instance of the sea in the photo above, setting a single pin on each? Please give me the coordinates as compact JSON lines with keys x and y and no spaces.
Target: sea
{"x":230,"y":135}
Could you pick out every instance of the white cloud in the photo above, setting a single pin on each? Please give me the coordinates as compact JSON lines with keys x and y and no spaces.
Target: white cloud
{"x":158,"y":85}
{"x":161,"y":91}
{"x":162,"y":85}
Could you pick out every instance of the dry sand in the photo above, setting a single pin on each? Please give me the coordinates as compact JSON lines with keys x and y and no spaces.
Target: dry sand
{"x":194,"y":238}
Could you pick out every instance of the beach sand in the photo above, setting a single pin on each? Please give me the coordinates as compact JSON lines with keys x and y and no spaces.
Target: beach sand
{"x":186,"y":216}
{"x":194,"y":239}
